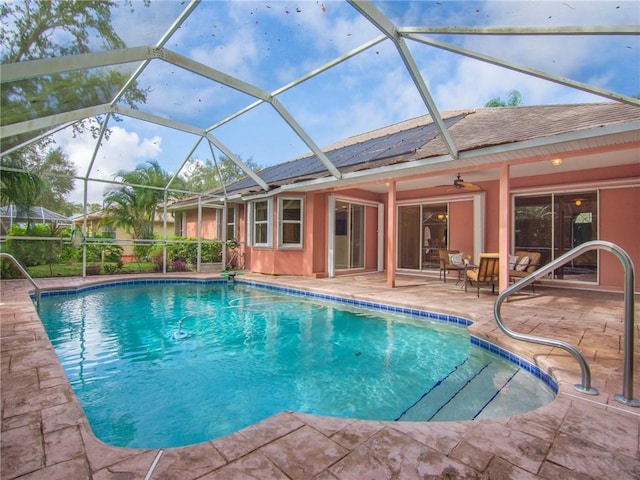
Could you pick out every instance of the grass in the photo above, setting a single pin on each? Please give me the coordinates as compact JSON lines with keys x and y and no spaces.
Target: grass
{"x":75,"y":269}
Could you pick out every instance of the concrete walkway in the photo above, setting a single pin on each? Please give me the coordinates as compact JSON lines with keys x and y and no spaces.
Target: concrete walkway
{"x":46,"y":436}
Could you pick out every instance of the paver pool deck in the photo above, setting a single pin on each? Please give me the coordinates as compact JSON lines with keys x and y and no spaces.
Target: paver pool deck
{"x":45,"y":434}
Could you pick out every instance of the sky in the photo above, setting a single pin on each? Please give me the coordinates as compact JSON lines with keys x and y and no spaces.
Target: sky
{"x":270,"y":44}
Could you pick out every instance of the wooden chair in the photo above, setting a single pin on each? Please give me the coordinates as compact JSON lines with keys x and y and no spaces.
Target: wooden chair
{"x":486,"y":272}
{"x":445,"y":266}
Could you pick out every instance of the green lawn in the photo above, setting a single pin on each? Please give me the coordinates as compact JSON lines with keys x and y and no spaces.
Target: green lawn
{"x":75,"y":270}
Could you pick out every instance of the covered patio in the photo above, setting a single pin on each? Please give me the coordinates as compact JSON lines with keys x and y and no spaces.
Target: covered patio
{"x":46,"y":435}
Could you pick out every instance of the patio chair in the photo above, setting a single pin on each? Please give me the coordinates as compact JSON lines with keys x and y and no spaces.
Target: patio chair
{"x":522,"y":264}
{"x":446,"y":263}
{"x":486,"y":272}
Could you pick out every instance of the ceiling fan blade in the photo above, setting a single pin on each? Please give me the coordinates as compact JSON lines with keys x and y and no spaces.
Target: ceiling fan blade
{"x":462,"y":187}
{"x":469,"y":187}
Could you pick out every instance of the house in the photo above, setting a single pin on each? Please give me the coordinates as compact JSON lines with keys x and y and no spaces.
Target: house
{"x":535,"y":178}
{"x":11,"y":215}
{"x":95,"y":227}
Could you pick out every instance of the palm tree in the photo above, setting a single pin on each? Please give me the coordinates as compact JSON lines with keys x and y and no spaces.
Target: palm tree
{"x":18,"y":186}
{"x":134,"y":205}
{"x":513,"y":100}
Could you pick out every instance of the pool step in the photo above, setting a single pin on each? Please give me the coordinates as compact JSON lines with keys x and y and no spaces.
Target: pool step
{"x":522,"y":394}
{"x":463,"y":394}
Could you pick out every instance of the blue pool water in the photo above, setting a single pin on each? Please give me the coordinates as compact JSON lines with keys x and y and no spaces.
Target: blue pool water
{"x":176,"y":363}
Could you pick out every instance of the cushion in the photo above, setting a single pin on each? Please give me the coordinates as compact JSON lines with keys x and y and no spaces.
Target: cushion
{"x":523,"y":264}
{"x":513,"y":260}
{"x":455,"y":258}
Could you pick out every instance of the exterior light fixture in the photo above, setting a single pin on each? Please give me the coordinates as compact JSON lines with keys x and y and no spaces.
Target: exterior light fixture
{"x":556,"y":161}
{"x":578,"y":203}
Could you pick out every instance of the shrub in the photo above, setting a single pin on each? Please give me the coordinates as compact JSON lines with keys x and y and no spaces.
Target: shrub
{"x":8,"y":269}
{"x":157,"y":262}
{"x":188,"y":252}
{"x":178,"y":266}
{"x":111,"y":268}
{"x":28,"y":252}
{"x":112,"y":251}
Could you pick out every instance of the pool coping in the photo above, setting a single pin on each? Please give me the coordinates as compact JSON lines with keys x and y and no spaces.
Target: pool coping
{"x":278,"y":447}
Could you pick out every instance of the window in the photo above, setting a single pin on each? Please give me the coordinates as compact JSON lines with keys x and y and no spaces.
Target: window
{"x":260,"y":213}
{"x":231,"y":223}
{"x":181,"y":224}
{"x":290,"y":222}
{"x":106,"y":232}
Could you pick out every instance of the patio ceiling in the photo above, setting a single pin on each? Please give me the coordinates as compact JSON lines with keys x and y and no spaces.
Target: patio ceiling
{"x":245,"y":99}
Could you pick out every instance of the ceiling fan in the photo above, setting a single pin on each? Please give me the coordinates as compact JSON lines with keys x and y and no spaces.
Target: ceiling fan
{"x":460,"y":185}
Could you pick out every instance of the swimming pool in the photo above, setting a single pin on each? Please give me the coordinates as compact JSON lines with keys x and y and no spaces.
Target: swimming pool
{"x":167,"y":363}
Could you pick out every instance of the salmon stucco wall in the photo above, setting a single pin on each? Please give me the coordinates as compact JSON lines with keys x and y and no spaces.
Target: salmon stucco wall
{"x":209,"y":224}
{"x":620,"y":224}
{"x":461,"y":227}
{"x":317,"y":237}
{"x":276,"y":260}
{"x":492,"y":217}
{"x":371,"y":238}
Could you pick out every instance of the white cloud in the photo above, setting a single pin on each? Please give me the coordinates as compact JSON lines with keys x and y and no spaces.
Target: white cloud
{"x":123,"y":150}
{"x":269,"y":47}
{"x":473,"y":83}
{"x":236,"y":57}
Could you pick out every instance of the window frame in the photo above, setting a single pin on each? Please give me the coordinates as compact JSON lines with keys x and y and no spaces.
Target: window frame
{"x":231,"y":224}
{"x":268,"y":222}
{"x":555,"y":247}
{"x":282,"y":222}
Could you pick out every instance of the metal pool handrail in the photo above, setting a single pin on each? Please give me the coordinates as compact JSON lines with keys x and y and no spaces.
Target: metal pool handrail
{"x":629,"y":313}
{"x":24,"y":272}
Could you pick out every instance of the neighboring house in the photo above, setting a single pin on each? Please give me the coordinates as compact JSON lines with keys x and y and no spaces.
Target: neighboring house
{"x":11,"y":215}
{"x":95,"y":227}
{"x":536,"y":178}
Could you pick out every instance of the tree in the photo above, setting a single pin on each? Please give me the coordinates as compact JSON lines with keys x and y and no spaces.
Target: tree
{"x":513,"y":100}
{"x":230,"y":172}
{"x":134,"y":205}
{"x":78,"y":208}
{"x":57,"y":172}
{"x":41,"y":177}
{"x":18,"y":187}
{"x":35,"y":29}
{"x":204,"y":176}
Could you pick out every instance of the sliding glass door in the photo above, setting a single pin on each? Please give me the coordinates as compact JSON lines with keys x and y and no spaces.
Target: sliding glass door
{"x":422,"y":231}
{"x":349,"y":235}
{"x":553,"y":224}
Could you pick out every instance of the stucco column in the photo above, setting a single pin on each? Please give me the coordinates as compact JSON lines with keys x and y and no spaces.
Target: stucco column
{"x":391,"y":235}
{"x":504,"y":238}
